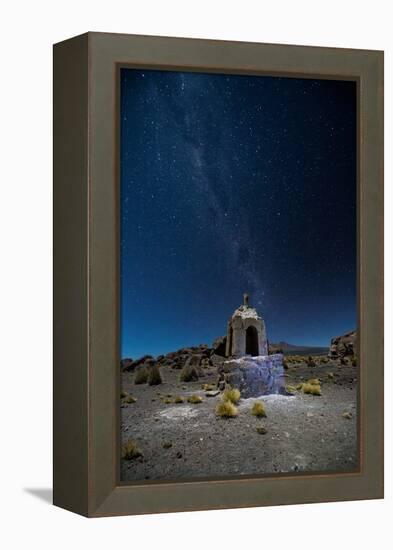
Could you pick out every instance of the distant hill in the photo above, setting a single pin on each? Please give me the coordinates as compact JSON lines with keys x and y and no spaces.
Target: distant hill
{"x":293,"y":349}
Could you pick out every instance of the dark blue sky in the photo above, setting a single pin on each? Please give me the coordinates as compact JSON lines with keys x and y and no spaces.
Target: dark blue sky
{"x":233,"y":184}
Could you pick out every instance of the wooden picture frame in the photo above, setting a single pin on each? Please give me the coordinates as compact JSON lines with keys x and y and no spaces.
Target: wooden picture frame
{"x":86,"y":273}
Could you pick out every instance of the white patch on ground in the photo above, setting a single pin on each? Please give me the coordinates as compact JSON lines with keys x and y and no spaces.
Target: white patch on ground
{"x":277,"y":397}
{"x":273,"y":398}
{"x":177,"y":413}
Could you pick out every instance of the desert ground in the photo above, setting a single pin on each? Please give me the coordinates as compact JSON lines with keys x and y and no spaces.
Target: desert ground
{"x":300,"y":433}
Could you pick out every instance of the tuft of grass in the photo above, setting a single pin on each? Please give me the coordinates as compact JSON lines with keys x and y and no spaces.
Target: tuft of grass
{"x":167,"y":400}
{"x":290,"y":389}
{"x":130,"y":450}
{"x":178,"y":399}
{"x":208,"y":387}
{"x":330,"y":375}
{"x":261,"y":430}
{"x":310,"y":361}
{"x":299,"y":386}
{"x":195,"y":399}
{"x":123,"y":394}
{"x":314,"y":382}
{"x":354,"y":361}
{"x":141,"y":375}
{"x":312,"y":389}
{"x":258,"y":409}
{"x":167,"y":444}
{"x":188,"y":374}
{"x":154,"y":376}
{"x":232,"y":395}
{"x":347,"y":415}
{"x":226,"y":409}
{"x":130,"y":399}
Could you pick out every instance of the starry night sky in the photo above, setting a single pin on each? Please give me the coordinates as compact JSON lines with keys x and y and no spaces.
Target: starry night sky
{"x":233,"y":184}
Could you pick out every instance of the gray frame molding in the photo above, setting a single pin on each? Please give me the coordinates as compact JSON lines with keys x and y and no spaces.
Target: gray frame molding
{"x":86,"y":276}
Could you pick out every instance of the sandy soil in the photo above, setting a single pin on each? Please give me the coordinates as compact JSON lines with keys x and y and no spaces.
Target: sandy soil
{"x":304,"y":433}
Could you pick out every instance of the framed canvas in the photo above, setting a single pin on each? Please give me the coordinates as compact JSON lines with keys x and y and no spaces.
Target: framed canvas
{"x":218,"y":274}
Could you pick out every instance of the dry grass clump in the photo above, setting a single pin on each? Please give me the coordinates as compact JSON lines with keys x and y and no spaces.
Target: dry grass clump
{"x":141,"y":375}
{"x":347,"y":415}
{"x":226,"y":409}
{"x":313,"y":389}
{"x":314,"y":382}
{"x":208,"y":387}
{"x":167,"y":444}
{"x":310,"y":362}
{"x":167,"y":400}
{"x":130,"y":450}
{"x":330,"y":376}
{"x":178,"y":399}
{"x":290,"y":389}
{"x":232,"y":395}
{"x":130,"y":399}
{"x":188,"y":374}
{"x":123,"y":394}
{"x":195,"y":399}
{"x":354,"y":361}
{"x":258,"y":409}
{"x":154,"y":376}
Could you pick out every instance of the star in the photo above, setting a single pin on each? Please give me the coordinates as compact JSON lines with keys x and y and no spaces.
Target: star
{"x":231,"y":182}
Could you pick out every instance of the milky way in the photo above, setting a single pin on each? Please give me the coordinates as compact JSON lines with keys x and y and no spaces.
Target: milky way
{"x":233,"y":184}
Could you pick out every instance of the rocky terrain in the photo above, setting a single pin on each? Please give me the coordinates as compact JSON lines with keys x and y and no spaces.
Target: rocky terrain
{"x":343,"y":346}
{"x":170,"y":438}
{"x":202,"y":354}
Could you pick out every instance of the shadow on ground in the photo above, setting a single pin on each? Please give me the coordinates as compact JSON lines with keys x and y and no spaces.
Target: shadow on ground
{"x":43,"y":494}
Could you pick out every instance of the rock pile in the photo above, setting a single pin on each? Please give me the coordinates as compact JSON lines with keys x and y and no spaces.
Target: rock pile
{"x":343,"y":346}
{"x":198,"y":356}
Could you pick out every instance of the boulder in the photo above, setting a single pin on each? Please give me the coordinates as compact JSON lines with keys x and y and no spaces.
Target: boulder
{"x":216,"y":360}
{"x":219,"y":346}
{"x":253,"y":376}
{"x":212,"y":393}
{"x":193,"y":361}
{"x":127,"y":364}
{"x":145,"y":359}
{"x":343,"y":346}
